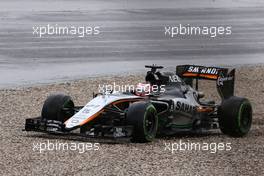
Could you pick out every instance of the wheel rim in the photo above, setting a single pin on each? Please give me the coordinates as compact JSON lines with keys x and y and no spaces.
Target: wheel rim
{"x":150,"y":123}
{"x":68,"y":109}
{"x":245,"y":117}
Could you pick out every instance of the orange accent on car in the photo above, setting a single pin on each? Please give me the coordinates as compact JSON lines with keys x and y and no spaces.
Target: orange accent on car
{"x":91,"y":118}
{"x":126,"y":100}
{"x":190,"y":74}
{"x":98,"y":113}
{"x":204,"y":109}
{"x":209,"y":76}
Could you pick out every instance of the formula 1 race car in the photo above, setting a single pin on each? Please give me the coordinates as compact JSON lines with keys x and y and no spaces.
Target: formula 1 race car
{"x":172,"y":104}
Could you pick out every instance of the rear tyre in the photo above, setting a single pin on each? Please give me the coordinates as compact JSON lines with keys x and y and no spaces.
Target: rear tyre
{"x":235,"y":116}
{"x":58,"y":107}
{"x":143,"y":117}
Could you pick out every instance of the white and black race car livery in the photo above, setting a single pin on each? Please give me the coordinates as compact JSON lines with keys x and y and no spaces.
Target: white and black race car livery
{"x":178,"y":107}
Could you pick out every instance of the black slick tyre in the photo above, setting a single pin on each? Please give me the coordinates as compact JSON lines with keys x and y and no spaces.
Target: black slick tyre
{"x":235,"y":116}
{"x":58,"y":107}
{"x":143,"y":117}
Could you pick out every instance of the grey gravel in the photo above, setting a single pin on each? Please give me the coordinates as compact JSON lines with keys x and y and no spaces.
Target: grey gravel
{"x":18,"y":158}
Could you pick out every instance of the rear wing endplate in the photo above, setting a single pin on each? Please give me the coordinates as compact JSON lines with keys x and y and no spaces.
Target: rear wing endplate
{"x":224,"y":77}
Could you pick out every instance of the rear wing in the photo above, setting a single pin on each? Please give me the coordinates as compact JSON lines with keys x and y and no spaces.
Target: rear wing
{"x":224,"y":77}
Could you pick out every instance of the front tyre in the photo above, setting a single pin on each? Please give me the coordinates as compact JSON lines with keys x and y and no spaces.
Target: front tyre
{"x":143,"y":117}
{"x":58,"y":107}
{"x":235,"y":116}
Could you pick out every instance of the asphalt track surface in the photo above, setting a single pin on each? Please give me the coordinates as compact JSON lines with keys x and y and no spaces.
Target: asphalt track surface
{"x":131,"y":35}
